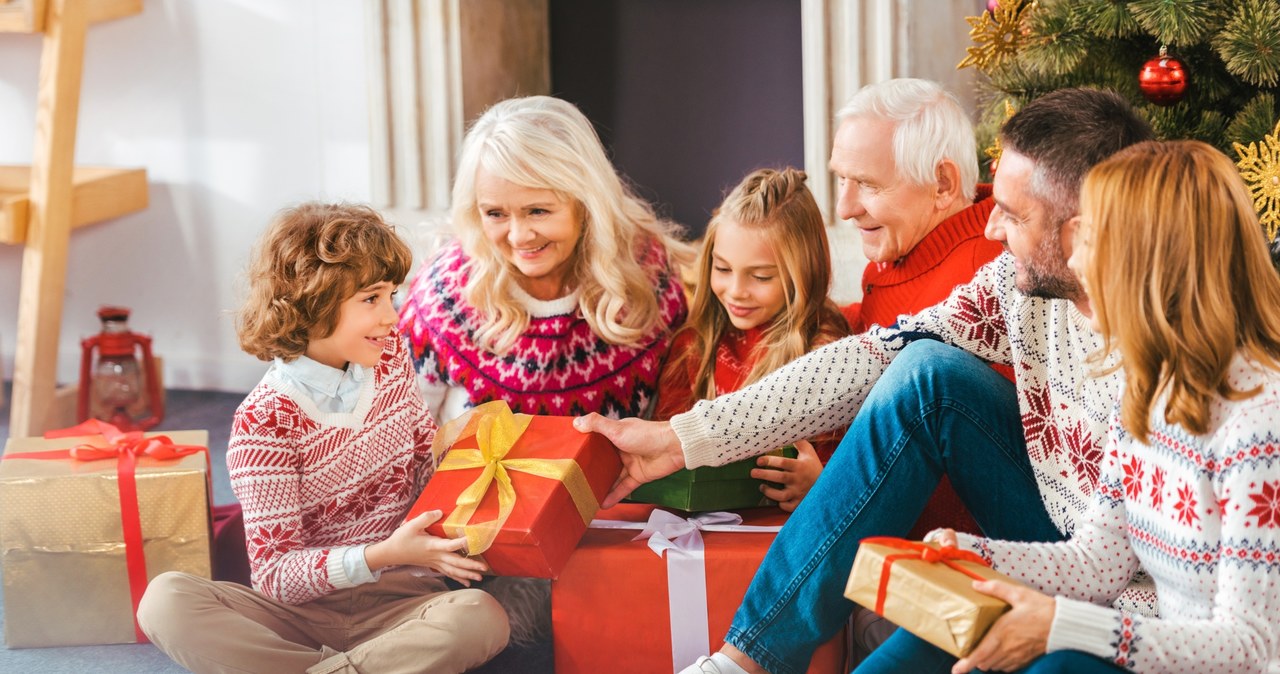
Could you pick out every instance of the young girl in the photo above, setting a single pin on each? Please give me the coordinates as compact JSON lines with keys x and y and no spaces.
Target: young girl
{"x":1180,"y":286}
{"x":559,"y":296}
{"x":761,"y":301}
{"x":326,"y":455}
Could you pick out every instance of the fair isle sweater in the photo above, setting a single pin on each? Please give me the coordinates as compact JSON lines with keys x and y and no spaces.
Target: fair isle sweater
{"x":1201,"y":514}
{"x":558,"y":366}
{"x":313,"y":483}
{"x":1064,"y":409}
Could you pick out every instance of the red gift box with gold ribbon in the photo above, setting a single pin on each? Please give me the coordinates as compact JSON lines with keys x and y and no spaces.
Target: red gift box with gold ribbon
{"x":87,"y":521}
{"x":521,"y":488}
{"x":621,"y":607}
{"x":927,"y":590}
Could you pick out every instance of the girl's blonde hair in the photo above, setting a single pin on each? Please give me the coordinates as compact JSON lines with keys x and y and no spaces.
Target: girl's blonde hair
{"x":1179,"y":278}
{"x":778,"y":205}
{"x":312,"y":258}
{"x":542,"y":142}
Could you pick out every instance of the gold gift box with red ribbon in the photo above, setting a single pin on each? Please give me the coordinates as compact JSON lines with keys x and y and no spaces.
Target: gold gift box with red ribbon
{"x":520,"y":488}
{"x":926,"y":590}
{"x":70,"y":576}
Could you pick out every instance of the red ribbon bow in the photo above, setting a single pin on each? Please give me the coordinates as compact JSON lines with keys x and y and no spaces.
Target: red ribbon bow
{"x":924,"y":552}
{"x":126,"y":448}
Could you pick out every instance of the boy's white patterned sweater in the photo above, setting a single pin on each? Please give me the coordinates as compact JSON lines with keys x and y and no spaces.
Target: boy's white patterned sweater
{"x":313,"y":483}
{"x":1202,"y":515}
{"x":1064,"y":409}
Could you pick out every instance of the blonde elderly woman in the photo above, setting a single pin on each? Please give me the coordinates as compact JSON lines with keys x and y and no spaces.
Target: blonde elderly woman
{"x":559,"y":294}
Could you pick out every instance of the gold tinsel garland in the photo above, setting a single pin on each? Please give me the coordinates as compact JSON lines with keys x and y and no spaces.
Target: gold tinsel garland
{"x":1260,"y":166}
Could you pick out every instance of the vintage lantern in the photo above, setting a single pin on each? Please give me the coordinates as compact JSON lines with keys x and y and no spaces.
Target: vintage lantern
{"x":111,"y":388}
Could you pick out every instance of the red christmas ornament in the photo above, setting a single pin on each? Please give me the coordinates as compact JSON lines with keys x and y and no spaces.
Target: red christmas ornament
{"x":1163,"y":79}
{"x":993,"y":5}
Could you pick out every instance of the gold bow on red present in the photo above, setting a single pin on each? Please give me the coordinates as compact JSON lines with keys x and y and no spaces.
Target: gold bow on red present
{"x":496,"y":430}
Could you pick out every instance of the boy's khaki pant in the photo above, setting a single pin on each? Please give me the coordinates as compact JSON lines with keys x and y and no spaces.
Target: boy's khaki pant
{"x":401,"y":623}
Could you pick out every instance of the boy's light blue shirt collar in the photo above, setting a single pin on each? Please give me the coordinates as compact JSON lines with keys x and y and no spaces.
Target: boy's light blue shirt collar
{"x":331,"y":389}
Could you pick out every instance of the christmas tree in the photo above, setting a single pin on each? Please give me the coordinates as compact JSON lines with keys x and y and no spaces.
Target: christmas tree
{"x":1203,"y":69}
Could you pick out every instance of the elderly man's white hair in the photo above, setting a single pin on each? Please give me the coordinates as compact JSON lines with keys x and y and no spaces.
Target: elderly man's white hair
{"x":930,"y":125}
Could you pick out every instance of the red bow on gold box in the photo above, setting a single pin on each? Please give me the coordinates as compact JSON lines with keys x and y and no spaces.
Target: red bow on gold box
{"x":926,"y":590}
{"x":87,"y":520}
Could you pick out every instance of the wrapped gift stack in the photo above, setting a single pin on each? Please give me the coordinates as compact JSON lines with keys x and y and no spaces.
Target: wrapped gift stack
{"x":649,"y":591}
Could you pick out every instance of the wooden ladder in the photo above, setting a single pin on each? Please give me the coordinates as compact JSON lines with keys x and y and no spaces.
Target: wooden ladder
{"x":40,"y":204}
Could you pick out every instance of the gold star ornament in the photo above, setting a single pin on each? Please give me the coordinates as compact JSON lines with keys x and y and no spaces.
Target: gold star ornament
{"x":997,"y":36}
{"x":1260,"y":167}
{"x":993,"y":153}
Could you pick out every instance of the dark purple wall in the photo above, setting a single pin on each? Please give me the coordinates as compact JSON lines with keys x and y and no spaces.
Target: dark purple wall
{"x":688,"y":95}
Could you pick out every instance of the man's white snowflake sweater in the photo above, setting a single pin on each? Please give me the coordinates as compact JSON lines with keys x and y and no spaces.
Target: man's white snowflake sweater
{"x":1064,"y":409}
{"x":312,"y":483}
{"x":1202,"y":515}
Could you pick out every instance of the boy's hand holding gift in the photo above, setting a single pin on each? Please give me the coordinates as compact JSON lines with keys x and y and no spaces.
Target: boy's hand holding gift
{"x":410,"y":544}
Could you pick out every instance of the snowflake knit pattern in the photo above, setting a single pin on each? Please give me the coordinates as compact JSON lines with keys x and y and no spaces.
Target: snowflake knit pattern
{"x":1064,"y":409}
{"x":1201,"y":514}
{"x":558,"y":366}
{"x":312,"y":481}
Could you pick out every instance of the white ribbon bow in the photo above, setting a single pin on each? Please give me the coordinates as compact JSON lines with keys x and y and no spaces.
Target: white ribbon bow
{"x":681,"y":540}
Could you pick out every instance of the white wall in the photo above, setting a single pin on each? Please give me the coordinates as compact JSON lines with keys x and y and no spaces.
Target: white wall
{"x":236,"y":108}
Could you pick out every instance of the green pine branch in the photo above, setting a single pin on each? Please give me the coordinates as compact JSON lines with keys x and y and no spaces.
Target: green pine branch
{"x":1178,"y":22}
{"x":1250,"y":42}
{"x":1108,"y":19}
{"x":1256,"y":119}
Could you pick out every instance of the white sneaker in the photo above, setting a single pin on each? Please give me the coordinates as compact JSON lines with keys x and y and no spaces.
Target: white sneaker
{"x":718,"y":663}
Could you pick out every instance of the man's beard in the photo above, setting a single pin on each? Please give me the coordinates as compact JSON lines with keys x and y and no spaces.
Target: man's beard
{"x":1046,"y":274}
{"x":1047,"y":285}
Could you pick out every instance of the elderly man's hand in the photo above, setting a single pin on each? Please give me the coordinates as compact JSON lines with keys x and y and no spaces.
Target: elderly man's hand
{"x":649,"y":450}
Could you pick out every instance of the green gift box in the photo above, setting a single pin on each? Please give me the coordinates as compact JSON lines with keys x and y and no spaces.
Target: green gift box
{"x":710,"y":487}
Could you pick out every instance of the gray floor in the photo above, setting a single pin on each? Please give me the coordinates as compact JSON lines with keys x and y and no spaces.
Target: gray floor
{"x":212,"y":412}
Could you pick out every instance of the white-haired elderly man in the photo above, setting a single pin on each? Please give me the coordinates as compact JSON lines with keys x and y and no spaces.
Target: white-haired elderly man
{"x":906,"y":163}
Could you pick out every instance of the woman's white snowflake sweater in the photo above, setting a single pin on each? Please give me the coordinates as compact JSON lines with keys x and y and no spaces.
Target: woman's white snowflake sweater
{"x":1064,"y":409}
{"x":312,"y":482}
{"x":1201,"y":514}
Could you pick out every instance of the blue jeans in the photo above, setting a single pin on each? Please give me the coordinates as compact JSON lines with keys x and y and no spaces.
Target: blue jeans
{"x":904,"y":652}
{"x":936,"y":410}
